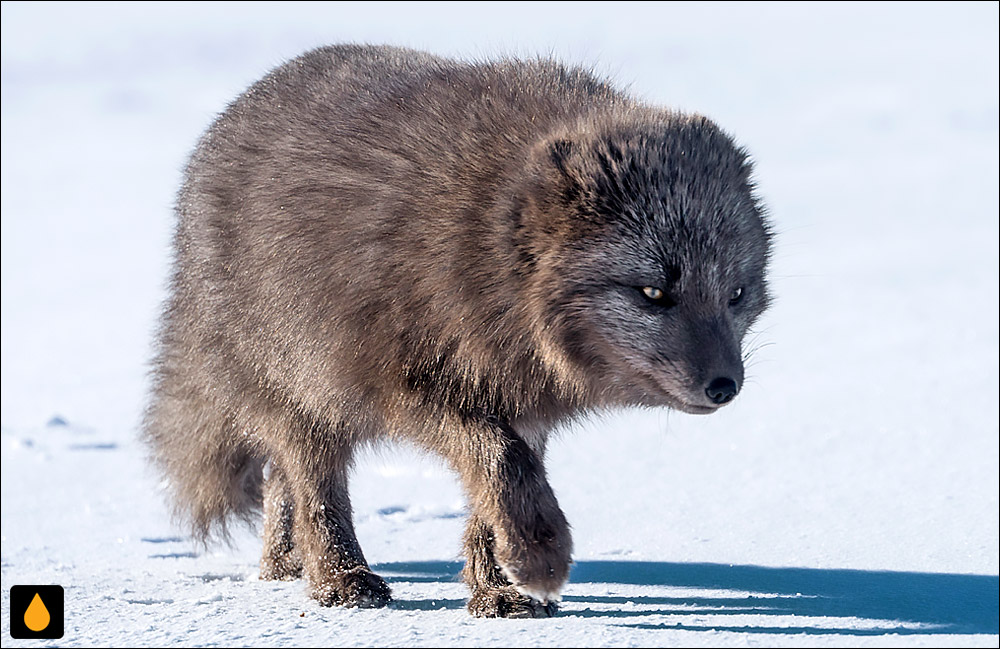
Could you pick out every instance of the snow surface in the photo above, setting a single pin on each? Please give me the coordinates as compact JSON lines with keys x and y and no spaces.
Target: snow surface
{"x":848,"y":497}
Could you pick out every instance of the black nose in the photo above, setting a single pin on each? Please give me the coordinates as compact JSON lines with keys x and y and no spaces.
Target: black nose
{"x":722,"y":390}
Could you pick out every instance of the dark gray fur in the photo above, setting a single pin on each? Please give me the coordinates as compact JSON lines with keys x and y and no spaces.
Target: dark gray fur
{"x":380,"y":244}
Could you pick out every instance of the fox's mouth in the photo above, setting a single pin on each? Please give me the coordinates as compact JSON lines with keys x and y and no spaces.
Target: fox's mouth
{"x":669,"y":397}
{"x":687,"y":407}
{"x":694,"y":409}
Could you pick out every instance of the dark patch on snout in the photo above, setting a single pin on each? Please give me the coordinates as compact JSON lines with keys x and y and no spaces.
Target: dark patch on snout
{"x":714,"y":350}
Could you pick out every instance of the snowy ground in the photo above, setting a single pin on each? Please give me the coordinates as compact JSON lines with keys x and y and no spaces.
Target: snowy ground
{"x":848,"y":497}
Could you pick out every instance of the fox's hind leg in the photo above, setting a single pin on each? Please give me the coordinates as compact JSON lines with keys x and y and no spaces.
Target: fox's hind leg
{"x":316,"y":462}
{"x":281,"y":559}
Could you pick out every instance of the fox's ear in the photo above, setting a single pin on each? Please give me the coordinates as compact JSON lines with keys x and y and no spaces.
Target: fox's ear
{"x":565,"y":157}
{"x":559,"y":152}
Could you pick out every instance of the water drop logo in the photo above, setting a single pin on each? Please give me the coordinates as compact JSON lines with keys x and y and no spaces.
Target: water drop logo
{"x":36,"y":612}
{"x":37,"y":616}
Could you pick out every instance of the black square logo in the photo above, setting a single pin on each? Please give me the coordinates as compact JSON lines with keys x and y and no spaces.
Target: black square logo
{"x":36,"y":612}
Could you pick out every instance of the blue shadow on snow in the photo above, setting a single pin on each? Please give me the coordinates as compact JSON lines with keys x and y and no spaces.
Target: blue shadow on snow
{"x":940,"y":603}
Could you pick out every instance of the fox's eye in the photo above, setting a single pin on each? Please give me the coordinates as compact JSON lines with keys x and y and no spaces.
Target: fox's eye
{"x":652,"y":293}
{"x":657,"y":297}
{"x":736,"y":295}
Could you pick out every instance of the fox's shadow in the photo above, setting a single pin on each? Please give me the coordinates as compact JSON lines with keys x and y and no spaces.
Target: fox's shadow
{"x":927,"y":603}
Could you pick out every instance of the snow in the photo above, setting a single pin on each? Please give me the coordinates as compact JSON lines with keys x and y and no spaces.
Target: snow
{"x":848,"y":497}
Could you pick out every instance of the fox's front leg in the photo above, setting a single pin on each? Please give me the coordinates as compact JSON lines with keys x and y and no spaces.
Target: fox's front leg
{"x":518,"y":545}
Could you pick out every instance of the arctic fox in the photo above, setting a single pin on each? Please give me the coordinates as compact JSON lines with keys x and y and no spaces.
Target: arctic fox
{"x":377,"y":244}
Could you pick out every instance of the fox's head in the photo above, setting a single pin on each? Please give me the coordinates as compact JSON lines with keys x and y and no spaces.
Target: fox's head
{"x":646,"y":249}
